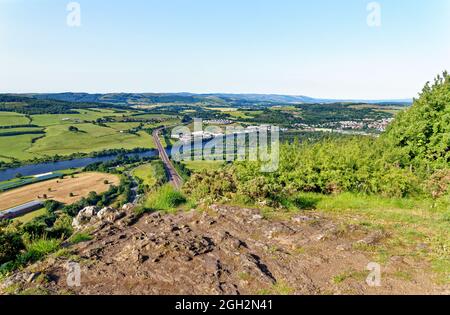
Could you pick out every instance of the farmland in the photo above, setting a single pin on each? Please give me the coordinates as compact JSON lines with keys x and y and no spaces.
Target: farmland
{"x":89,"y":138}
{"x":12,"y":119}
{"x":26,"y":137}
{"x":67,"y":190}
{"x":42,"y":130}
{"x":19,"y":182}
{"x":151,"y":174}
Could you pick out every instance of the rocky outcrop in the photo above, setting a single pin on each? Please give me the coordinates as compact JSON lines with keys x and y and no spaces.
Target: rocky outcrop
{"x":220,"y":250}
{"x":91,"y":216}
{"x":84,"y":217}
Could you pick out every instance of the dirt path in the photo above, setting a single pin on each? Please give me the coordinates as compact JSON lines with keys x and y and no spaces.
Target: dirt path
{"x":174,"y":178}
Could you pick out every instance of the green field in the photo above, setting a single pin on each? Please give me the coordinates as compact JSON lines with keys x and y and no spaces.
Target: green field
{"x":53,"y":136}
{"x":198,"y":166}
{"x":30,"y":216}
{"x":151,"y":174}
{"x":12,"y":119}
{"x":90,"y":138}
{"x":16,"y":147}
{"x":84,"y":115}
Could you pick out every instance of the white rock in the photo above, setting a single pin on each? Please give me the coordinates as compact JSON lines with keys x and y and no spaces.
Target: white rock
{"x":257,"y":217}
{"x":84,"y":216}
{"x":89,"y":211}
{"x":105,"y":213}
{"x":127,"y":206}
{"x":301,"y":219}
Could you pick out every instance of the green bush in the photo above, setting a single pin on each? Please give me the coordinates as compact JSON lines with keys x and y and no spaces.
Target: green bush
{"x":423,"y":131}
{"x":10,"y":246}
{"x":331,"y":166}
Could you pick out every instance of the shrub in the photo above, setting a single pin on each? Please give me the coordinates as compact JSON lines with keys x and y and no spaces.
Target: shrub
{"x":439,"y":183}
{"x":10,"y":246}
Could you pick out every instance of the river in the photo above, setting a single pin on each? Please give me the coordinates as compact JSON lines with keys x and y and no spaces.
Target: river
{"x":42,"y":168}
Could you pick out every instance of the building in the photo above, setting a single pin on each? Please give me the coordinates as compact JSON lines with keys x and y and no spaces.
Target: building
{"x":20,"y":210}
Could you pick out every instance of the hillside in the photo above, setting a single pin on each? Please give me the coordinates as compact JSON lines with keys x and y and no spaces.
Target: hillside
{"x":333,"y":208}
{"x":223,"y":250}
{"x":211,"y":99}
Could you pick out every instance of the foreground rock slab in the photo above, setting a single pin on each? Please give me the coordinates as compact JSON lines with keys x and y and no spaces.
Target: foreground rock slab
{"x":221,"y":250}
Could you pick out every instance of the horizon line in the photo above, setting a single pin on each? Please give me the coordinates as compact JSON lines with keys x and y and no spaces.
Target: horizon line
{"x":409,"y":99}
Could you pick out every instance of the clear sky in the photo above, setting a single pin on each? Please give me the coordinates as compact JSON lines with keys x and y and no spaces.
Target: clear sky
{"x":319,"y":48}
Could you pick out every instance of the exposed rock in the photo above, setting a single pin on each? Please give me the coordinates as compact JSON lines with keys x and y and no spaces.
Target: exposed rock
{"x":92,"y":215}
{"x":127,"y":207}
{"x":301,"y":219}
{"x":225,"y":250}
{"x":344,"y":247}
{"x":33,"y":277}
{"x":372,"y":238}
{"x":110,"y":215}
{"x":84,"y":217}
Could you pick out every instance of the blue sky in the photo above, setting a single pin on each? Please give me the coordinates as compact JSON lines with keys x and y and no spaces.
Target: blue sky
{"x":320,"y":48}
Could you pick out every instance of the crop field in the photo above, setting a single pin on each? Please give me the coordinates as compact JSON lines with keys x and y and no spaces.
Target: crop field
{"x":19,"y":182}
{"x":123,"y":126}
{"x":59,"y":189}
{"x":84,"y":115}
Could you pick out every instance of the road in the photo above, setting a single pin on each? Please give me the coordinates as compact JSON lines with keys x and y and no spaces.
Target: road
{"x":174,"y":177}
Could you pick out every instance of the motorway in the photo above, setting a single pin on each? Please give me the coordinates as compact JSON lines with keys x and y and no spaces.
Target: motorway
{"x":174,"y":177}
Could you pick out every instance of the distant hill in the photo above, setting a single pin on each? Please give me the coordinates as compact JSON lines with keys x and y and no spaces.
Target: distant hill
{"x":212,"y":99}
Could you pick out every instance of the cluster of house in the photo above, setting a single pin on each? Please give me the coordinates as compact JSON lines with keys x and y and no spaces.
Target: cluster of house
{"x":379,"y":125}
{"x":207,"y":135}
{"x":218,"y":122}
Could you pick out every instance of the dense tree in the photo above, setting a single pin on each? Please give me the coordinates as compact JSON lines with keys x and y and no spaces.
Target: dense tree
{"x":423,"y":131}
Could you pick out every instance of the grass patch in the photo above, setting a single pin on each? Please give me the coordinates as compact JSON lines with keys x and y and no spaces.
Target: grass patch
{"x":418,"y":229}
{"x":403,"y":275}
{"x":38,"y":249}
{"x":351,"y":274}
{"x":165,"y":199}
{"x":80,"y":238}
{"x":279,"y":288}
{"x":31,"y":216}
{"x":198,"y":166}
